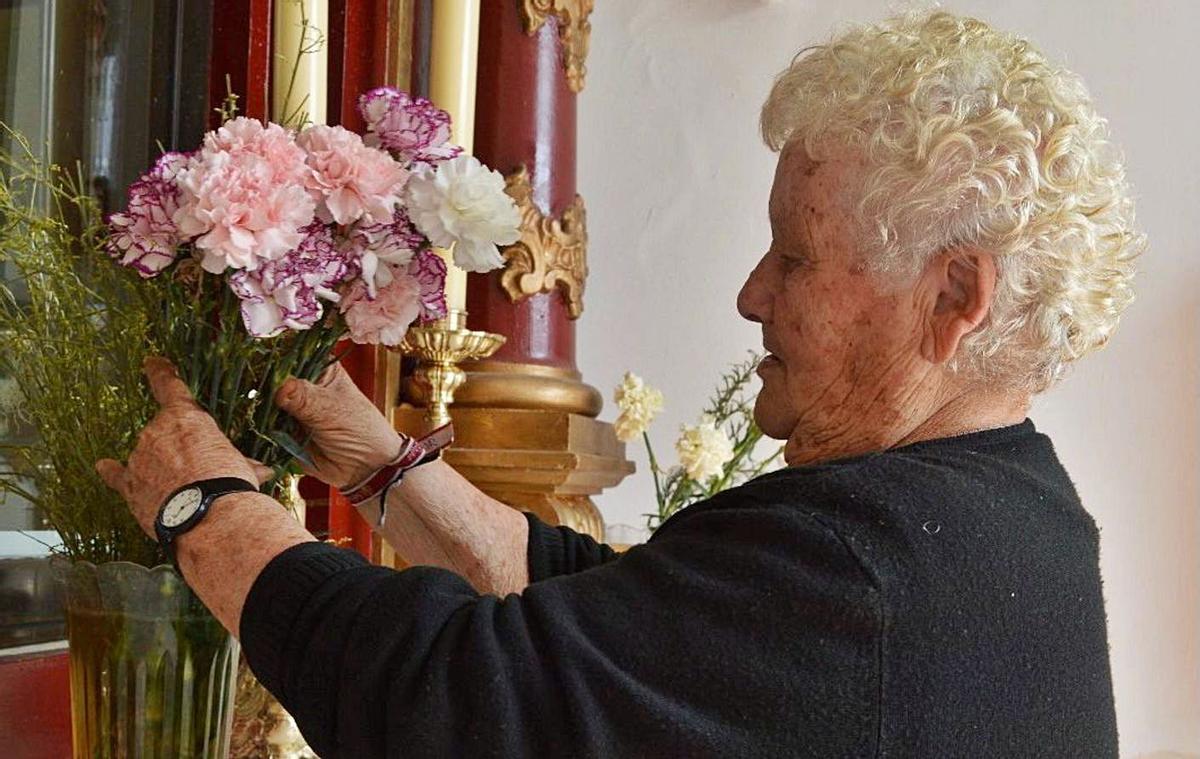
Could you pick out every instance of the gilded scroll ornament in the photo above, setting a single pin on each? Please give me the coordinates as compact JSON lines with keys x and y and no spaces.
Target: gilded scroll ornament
{"x":552,"y":253}
{"x":574,"y":31}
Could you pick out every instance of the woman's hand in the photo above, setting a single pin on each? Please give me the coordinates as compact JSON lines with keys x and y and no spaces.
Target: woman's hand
{"x":350,"y":438}
{"x":181,"y":445}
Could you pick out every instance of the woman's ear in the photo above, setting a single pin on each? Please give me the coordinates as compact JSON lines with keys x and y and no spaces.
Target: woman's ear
{"x":959,"y":286}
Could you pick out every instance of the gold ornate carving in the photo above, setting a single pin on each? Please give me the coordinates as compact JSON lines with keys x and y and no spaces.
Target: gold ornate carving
{"x":551,"y":252}
{"x":575,"y":511}
{"x":441,"y":346}
{"x":262,"y":728}
{"x":574,"y":31}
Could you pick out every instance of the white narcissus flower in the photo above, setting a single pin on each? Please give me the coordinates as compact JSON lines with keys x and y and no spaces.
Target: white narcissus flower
{"x":639,"y":404}
{"x":703,"y":449}
{"x":462,"y":203}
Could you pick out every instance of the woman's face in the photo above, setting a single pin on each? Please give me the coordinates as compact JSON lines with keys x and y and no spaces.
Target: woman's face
{"x":845,"y":360}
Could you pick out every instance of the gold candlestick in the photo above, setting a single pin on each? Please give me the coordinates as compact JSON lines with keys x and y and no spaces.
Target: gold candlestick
{"x":441,"y":346}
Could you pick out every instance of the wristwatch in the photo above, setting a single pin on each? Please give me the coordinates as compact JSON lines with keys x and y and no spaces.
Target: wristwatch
{"x":184,"y":508}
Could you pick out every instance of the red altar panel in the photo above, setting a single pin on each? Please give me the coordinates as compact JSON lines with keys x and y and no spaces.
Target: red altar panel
{"x":241,"y":50}
{"x":35,"y":706}
{"x":524,"y":115}
{"x":359,"y":56}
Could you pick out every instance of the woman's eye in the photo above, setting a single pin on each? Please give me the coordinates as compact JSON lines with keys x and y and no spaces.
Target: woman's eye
{"x":793,"y":260}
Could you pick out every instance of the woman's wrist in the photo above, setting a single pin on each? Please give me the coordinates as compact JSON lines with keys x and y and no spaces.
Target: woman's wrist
{"x":413,"y":453}
{"x":388,"y":451}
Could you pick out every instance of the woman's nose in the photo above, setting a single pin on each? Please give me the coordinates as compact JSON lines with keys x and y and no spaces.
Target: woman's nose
{"x":753,"y":301}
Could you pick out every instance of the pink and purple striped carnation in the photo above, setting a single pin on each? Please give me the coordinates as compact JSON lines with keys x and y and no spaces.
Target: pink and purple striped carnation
{"x":144,"y":236}
{"x":413,"y":129}
{"x":287,"y":293}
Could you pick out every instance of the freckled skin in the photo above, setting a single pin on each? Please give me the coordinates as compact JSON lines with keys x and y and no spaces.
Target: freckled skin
{"x":858,"y":366}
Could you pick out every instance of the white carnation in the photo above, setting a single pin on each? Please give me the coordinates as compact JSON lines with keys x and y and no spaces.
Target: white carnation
{"x":639,"y":404}
{"x":703,"y":450}
{"x":462,"y":203}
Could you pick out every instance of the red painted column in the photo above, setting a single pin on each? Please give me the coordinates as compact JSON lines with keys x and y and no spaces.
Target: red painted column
{"x":524,"y":115}
{"x":241,"y":56}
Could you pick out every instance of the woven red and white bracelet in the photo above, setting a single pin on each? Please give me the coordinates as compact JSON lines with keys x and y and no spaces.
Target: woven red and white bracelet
{"x":413,"y":453}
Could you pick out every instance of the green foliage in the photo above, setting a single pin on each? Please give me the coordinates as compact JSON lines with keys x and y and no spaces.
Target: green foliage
{"x":195,"y":321}
{"x":731,"y":408}
{"x":73,"y":335}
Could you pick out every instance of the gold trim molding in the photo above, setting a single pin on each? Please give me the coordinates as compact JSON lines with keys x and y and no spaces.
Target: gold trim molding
{"x":552,"y":253}
{"x":574,"y":31}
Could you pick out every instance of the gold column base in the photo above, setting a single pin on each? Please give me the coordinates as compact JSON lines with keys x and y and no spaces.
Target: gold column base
{"x":511,"y":385}
{"x":545,"y":461}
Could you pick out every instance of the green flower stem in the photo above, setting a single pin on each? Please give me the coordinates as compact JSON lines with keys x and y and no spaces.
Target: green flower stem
{"x":658,"y":493}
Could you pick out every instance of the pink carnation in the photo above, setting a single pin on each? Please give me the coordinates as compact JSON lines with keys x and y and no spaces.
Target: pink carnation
{"x":413,"y":128}
{"x":429,"y":270}
{"x":349,"y":180}
{"x":287,"y":293}
{"x":244,"y":196}
{"x":384,"y":319}
{"x":393,"y":242}
{"x":145,"y":237}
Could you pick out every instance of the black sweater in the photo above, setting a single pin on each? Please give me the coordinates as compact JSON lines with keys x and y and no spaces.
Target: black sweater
{"x":937,"y":600}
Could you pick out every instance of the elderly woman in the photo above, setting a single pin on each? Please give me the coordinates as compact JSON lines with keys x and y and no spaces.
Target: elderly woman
{"x":951,"y":230}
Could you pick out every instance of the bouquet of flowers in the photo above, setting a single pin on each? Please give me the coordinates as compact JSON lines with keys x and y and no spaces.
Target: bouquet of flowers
{"x":265,"y":247}
{"x":719,"y":452}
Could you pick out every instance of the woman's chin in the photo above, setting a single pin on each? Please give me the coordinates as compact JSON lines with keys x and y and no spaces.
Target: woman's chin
{"x":773,"y":418}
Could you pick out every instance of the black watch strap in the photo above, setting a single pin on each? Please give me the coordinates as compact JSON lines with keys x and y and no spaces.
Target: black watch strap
{"x":210,"y":490}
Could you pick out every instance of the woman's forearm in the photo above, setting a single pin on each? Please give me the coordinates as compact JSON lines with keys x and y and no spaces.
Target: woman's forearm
{"x":222,"y":557}
{"x":436,"y":517}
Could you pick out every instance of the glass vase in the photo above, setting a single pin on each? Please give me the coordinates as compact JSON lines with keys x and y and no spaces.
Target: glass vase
{"x":152,"y":671}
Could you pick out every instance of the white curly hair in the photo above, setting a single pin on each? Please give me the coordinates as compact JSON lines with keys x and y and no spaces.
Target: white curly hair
{"x":970,"y":138}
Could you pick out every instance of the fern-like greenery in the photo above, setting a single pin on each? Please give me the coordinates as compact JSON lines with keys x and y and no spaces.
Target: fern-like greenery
{"x":73,"y":334}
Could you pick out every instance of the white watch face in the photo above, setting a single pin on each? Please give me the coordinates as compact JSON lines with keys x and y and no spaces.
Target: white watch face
{"x":181,"y":507}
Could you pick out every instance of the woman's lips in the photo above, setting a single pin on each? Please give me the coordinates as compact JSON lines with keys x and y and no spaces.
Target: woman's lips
{"x":769,"y":362}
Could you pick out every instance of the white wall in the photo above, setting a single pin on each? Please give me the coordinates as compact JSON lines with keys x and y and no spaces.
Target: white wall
{"x":676,"y":182}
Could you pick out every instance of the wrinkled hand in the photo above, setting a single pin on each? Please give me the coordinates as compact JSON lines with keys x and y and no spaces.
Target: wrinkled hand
{"x":350,"y":438}
{"x":180,"y":445}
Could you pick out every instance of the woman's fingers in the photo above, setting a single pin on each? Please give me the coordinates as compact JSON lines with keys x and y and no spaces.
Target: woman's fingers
{"x":165,"y":384}
{"x":302,"y":400}
{"x":330,"y":375}
{"x":262,"y":472}
{"x":113,"y":474}
{"x":327,"y":403}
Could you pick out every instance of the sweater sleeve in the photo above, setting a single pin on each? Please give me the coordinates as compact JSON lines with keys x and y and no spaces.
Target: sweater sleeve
{"x":560,"y":550}
{"x":711,"y":640}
